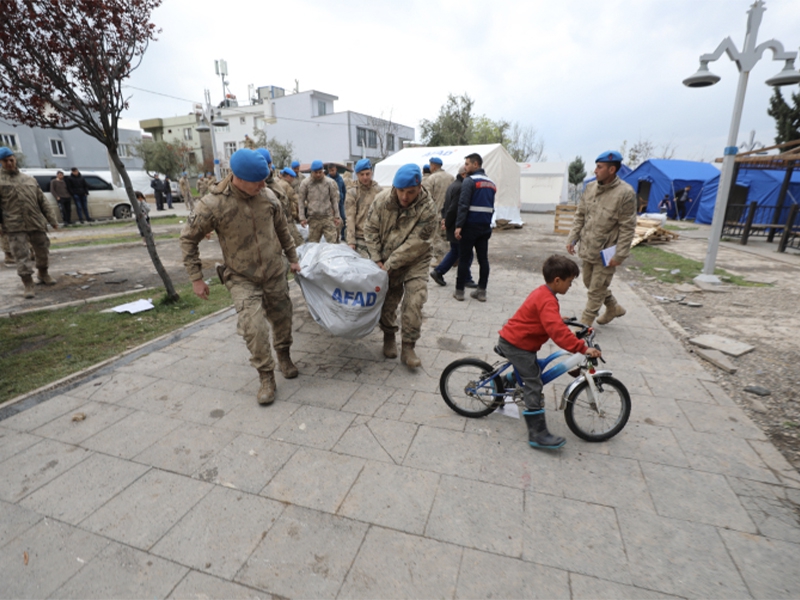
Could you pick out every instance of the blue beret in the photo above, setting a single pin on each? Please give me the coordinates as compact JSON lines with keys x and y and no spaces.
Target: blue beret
{"x":316,"y":165}
{"x":436,"y":160}
{"x":363,"y":165}
{"x":249,"y":165}
{"x":407,"y":176}
{"x":295,"y":164}
{"x":426,"y":168}
{"x":265,"y":153}
{"x":609,"y":156}
{"x":5,"y":152}
{"x":288,"y":171}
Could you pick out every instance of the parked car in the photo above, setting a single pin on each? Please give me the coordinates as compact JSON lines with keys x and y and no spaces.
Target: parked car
{"x":104,"y":201}
{"x":176,"y":191}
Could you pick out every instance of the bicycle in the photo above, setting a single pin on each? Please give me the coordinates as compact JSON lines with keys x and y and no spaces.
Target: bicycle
{"x":596,"y":405}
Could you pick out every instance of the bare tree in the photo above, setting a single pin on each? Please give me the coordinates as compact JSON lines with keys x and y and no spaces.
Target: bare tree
{"x":62,"y":65}
{"x":523,"y":144}
{"x":383,"y":129}
{"x":667,"y":150}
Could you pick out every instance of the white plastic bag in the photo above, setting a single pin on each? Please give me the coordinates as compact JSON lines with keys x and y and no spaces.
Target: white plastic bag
{"x":303,"y":229}
{"x":344,"y":292}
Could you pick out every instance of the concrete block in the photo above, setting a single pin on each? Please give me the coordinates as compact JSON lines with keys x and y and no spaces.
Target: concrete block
{"x":15,"y":520}
{"x":12,"y":442}
{"x":772,"y":508}
{"x":367,"y":399}
{"x":377,"y":439}
{"x":199,"y":586}
{"x":717,"y":359}
{"x":485,"y":575}
{"x":254,"y":419}
{"x":43,"y":413}
{"x":647,"y":443}
{"x":592,"y":588}
{"x":768,"y":566}
{"x":129,"y":436}
{"x":72,"y":431}
{"x":720,"y":419}
{"x":35,"y":466}
{"x":723,"y":344}
{"x":318,"y":391}
{"x":429,"y":409}
{"x":314,"y":427}
{"x":186,"y":448}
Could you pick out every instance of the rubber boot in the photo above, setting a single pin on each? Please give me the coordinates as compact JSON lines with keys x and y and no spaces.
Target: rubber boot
{"x":538,"y":436}
{"x":27,"y":281}
{"x":611,"y":313}
{"x":587,"y":319}
{"x":285,"y":363}
{"x":479,"y":295}
{"x":408,"y":357}
{"x":389,"y":345}
{"x":266,"y":393}
{"x":45,"y":278}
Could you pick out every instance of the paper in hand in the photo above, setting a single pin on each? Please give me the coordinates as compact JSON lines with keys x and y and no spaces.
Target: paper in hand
{"x":608,"y":254}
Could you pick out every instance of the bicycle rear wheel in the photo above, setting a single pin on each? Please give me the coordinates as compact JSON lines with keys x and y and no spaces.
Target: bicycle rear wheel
{"x":594,"y":424}
{"x":468,"y":389}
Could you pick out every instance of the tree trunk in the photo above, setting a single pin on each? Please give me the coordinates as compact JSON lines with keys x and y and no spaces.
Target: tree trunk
{"x":148,"y":233}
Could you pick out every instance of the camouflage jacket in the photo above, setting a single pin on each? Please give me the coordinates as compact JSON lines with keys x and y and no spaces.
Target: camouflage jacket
{"x":400,"y":237}
{"x":284,"y":193}
{"x":252,"y":232}
{"x":318,"y":198}
{"x":606,"y":216}
{"x":186,"y":189}
{"x":356,"y":208}
{"x":437,"y":185}
{"x":23,"y":206}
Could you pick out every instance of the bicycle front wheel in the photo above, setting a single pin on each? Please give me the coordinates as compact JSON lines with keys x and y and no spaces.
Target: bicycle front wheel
{"x":597,"y":422}
{"x":468,"y":388}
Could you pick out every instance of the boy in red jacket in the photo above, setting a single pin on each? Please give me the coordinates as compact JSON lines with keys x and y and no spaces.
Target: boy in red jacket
{"x":536,"y":321}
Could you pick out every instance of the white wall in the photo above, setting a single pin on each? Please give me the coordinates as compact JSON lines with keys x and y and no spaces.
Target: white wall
{"x":543,"y":186}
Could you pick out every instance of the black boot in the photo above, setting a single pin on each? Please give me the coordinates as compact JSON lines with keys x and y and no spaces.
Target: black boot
{"x":538,"y":436}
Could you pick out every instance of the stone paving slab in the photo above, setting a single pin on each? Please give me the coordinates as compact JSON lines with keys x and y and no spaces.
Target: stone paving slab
{"x":359,"y":482}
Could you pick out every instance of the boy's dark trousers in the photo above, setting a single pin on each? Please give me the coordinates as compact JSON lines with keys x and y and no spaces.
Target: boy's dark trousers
{"x":529,"y":371}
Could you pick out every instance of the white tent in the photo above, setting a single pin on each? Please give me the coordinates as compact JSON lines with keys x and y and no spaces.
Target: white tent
{"x":543,"y":185}
{"x":497,"y":163}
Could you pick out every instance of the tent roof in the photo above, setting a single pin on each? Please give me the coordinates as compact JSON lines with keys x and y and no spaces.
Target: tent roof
{"x":682,"y":169}
{"x":543,"y":168}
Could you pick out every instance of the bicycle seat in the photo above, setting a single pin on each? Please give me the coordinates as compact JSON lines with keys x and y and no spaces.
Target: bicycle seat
{"x":497,"y":350}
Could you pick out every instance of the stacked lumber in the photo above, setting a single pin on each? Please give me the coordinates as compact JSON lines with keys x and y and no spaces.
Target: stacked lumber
{"x":565,"y":214}
{"x":650,"y":231}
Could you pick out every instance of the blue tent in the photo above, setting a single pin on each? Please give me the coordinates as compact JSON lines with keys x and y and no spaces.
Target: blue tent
{"x":655,"y":178}
{"x":623,"y":171}
{"x":763,"y":186}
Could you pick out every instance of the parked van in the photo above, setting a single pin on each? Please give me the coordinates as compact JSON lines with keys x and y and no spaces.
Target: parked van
{"x":105,"y":201}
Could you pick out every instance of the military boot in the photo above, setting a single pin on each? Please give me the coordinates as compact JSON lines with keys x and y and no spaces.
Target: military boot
{"x":538,"y":436}
{"x":587,"y":319}
{"x":27,"y":281}
{"x":220,"y":267}
{"x":45,"y":278}
{"x":285,"y":363}
{"x":459,"y":295}
{"x":611,"y":313}
{"x":479,"y":295}
{"x":9,"y":260}
{"x":266,"y":393}
{"x":389,"y":345}
{"x":408,"y":357}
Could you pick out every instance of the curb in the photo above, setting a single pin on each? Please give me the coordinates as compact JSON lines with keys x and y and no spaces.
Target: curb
{"x":26,"y":311}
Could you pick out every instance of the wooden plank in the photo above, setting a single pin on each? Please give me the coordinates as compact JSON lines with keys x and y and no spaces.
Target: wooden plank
{"x":565,"y":215}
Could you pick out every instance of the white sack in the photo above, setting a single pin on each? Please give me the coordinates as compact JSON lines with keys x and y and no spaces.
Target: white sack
{"x":344,"y":292}
{"x":303,"y":229}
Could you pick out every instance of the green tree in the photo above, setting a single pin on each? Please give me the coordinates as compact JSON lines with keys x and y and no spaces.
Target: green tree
{"x":577,"y":171}
{"x":281,"y":152}
{"x":787,"y":118}
{"x":162,"y":157}
{"x":453,"y":125}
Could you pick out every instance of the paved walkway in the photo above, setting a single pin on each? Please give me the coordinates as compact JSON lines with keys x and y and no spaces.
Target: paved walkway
{"x":360,"y":482}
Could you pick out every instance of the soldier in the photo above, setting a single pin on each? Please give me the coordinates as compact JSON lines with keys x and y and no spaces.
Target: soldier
{"x":252,"y":233}
{"x":186,"y":191}
{"x":398,"y":233}
{"x":426,"y":173}
{"x":333,"y":173}
{"x":356,"y":206}
{"x":606,"y":217}
{"x":290,"y":177}
{"x":249,"y":143}
{"x":318,"y":205}
{"x":300,"y":177}
{"x":283,"y":192}
{"x":437,"y":185}
{"x":9,"y":259}
{"x":24,"y":215}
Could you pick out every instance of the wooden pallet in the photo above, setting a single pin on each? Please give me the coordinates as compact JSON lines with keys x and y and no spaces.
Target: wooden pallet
{"x":565,"y":215}
{"x":649,"y":231}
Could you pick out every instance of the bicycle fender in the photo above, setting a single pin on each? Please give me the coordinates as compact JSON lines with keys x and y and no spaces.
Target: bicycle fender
{"x":576,"y":383}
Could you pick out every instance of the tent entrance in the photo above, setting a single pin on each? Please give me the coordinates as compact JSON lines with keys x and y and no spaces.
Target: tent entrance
{"x":643,"y":193}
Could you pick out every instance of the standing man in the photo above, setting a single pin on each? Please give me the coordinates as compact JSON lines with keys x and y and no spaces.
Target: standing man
{"x":318,"y":205}
{"x":448,"y":225}
{"x":252,"y":233}
{"x":290,"y":177}
{"x":24,"y":215}
{"x":186,"y":191}
{"x":474,"y":226}
{"x":58,"y":187}
{"x":681,"y":200}
{"x":606,"y":217}
{"x":168,"y":191}
{"x":426,"y":173}
{"x":284,"y":193}
{"x":437,"y":185}
{"x":79,"y":190}
{"x":398,"y":232}
{"x":300,"y":177}
{"x":158,"y":191}
{"x":202,"y":185}
{"x":356,"y":206}
{"x":333,"y":173}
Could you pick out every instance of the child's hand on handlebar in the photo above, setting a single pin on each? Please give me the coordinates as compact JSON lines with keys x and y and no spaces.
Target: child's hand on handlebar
{"x":593,"y":353}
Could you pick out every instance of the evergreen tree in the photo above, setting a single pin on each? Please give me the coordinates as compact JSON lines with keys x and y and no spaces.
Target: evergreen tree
{"x":787,"y":118}
{"x":577,"y":171}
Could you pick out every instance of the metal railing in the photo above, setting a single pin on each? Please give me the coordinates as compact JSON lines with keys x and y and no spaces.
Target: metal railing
{"x":744,"y":221}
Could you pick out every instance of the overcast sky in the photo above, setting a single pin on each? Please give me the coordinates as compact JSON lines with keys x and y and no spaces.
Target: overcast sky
{"x":585,"y":74}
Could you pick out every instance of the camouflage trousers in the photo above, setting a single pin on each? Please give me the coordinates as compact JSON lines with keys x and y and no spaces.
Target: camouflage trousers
{"x":21,"y":243}
{"x":410,"y":286}
{"x":298,"y":239}
{"x":189,"y":202}
{"x":361,"y":247}
{"x":319,"y":226}
{"x":258,"y":307}
{"x":597,"y":280}
{"x":5,"y":245}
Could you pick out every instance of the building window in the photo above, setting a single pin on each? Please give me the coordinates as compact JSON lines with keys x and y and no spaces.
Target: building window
{"x":225,"y":129}
{"x":361,"y":136}
{"x":9,"y":139}
{"x":242,"y":120}
{"x":390,"y":142}
{"x":372,"y":136}
{"x":192,"y":158}
{"x":57,"y":147}
{"x":230,"y":148}
{"x":187,"y":133}
{"x":124,"y":151}
{"x":321,"y":108}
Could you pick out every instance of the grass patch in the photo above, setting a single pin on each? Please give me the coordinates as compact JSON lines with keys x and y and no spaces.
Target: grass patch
{"x":669,"y":227}
{"x":649,"y":258}
{"x":41,"y":347}
{"x":111,"y":239}
{"x":166,"y":220}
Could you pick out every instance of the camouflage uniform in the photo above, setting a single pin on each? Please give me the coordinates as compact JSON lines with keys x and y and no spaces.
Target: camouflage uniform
{"x":319,"y":205}
{"x":437,"y":184}
{"x":186,"y":193}
{"x":202,"y":186}
{"x":356,"y":208}
{"x":282,"y":191}
{"x":252,"y":233}
{"x":26,"y":213}
{"x":400,"y":238}
{"x":606,"y":216}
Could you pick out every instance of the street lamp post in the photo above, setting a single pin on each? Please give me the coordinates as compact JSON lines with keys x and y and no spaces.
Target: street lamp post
{"x":745,"y":61}
{"x":208,"y":122}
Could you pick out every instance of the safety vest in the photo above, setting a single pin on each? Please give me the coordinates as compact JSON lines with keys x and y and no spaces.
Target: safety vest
{"x":482,"y":206}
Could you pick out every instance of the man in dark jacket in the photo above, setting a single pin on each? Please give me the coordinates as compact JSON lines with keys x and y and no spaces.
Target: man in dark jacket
{"x":79,"y":189}
{"x":474,"y":225}
{"x":158,"y":191}
{"x":448,"y":223}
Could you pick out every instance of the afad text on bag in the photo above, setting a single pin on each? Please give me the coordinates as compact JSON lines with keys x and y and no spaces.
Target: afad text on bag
{"x":355,"y":298}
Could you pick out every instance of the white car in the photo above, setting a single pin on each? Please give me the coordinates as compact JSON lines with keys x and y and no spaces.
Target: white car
{"x":105,"y":201}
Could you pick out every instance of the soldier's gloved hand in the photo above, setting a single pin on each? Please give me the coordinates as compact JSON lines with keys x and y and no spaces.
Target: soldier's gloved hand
{"x":200,"y":288}
{"x":294,"y":267}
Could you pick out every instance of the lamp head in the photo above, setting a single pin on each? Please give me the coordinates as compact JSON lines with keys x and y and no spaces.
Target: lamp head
{"x":787,"y":76}
{"x":703,"y":77}
{"x":203,"y":127}
{"x":219,"y":121}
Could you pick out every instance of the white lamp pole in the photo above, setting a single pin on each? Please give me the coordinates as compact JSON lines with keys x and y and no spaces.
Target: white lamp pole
{"x":745,"y":61}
